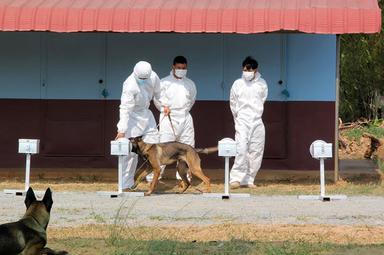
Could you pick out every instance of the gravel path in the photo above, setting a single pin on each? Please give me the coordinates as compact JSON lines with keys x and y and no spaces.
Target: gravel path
{"x":74,"y":208}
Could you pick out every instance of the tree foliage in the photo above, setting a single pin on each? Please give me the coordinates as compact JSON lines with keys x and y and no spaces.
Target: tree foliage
{"x":361,"y":75}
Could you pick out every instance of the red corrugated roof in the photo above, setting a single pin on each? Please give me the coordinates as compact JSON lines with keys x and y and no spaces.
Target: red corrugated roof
{"x":189,"y":16}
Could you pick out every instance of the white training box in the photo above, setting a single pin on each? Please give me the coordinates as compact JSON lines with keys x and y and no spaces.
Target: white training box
{"x":29,"y":146}
{"x":320,"y":149}
{"x":120,"y":147}
{"x":227,"y":147}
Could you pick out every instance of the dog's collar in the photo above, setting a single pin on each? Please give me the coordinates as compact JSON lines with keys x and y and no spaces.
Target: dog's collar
{"x":149,"y":146}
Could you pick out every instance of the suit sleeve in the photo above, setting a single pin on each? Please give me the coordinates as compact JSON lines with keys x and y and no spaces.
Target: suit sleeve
{"x":264,"y":92}
{"x":126,"y":106}
{"x":159,"y":98}
{"x":192,"y":93}
{"x":233,"y":100}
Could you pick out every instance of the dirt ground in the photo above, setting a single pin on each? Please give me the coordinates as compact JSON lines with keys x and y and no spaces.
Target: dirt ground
{"x":358,"y":219}
{"x":267,"y":216}
{"x":367,"y":146}
{"x":355,"y":149}
{"x":362,"y":235}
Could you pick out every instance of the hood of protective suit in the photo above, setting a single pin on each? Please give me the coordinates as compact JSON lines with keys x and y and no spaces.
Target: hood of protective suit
{"x":142,"y":70}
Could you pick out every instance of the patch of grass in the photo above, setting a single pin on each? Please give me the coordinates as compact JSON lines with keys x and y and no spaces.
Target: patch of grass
{"x":263,"y":187}
{"x":299,"y":248}
{"x":83,"y":246}
{"x":119,"y":226}
{"x":158,"y":218}
{"x":303,"y":218}
{"x":376,"y":131}
{"x":373,"y":128}
{"x":233,"y":247}
{"x":354,"y":134}
{"x":307,"y":233}
{"x":350,"y":189}
{"x":175,"y":219}
{"x":98,"y":218}
{"x":342,"y":187}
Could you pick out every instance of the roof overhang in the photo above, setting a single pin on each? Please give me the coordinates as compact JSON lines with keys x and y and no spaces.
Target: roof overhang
{"x":192,"y":16}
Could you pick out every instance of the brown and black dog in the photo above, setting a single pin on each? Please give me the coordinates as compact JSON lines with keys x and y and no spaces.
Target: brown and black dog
{"x":165,"y":154}
{"x":28,"y":235}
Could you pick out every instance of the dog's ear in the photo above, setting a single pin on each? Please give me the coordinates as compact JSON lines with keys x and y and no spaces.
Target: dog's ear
{"x":47,"y":200}
{"x":135,"y":139}
{"x":29,"y":197}
{"x":134,"y":148}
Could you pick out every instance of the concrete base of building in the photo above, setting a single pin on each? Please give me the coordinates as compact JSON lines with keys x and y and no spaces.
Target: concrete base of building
{"x":350,"y":170}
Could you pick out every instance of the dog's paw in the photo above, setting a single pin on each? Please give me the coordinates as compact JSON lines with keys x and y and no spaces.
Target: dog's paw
{"x":184,"y":188}
{"x":199,"y":190}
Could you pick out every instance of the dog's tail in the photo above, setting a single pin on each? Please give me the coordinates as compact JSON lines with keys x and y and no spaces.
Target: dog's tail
{"x":206,"y":150}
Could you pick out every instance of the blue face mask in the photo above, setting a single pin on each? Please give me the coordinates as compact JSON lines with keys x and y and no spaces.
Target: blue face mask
{"x":141,"y":82}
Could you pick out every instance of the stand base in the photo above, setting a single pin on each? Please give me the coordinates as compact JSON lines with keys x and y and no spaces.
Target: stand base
{"x":114,"y":194}
{"x":19,"y":192}
{"x":16,"y":192}
{"x":323,"y":198}
{"x":226,"y":196}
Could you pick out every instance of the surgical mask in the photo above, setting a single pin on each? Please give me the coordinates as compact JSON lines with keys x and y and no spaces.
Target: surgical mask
{"x":141,"y":82}
{"x":248,"y":76}
{"x":180,"y":73}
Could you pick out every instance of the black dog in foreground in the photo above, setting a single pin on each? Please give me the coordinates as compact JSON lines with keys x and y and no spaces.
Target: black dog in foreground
{"x":28,"y":235}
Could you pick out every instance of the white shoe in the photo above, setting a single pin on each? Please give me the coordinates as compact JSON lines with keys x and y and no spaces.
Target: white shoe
{"x":249,"y":186}
{"x":235,"y":185}
{"x":149,"y":178}
{"x":188,"y":177}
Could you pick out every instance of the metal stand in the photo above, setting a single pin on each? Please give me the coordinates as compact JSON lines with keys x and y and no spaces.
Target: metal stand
{"x":27,"y":177}
{"x":120,"y":175}
{"x":226,"y":194}
{"x":322,"y":196}
{"x":120,"y":192}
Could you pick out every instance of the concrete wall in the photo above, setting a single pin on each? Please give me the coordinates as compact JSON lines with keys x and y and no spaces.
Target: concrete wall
{"x":81,"y":65}
{"x":51,"y":88}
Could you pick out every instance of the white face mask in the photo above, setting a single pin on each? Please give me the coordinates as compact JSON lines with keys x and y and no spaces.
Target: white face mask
{"x":180,"y":73}
{"x":248,"y":76}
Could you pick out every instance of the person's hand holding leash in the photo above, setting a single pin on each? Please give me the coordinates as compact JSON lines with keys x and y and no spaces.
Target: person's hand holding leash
{"x":167,"y":111}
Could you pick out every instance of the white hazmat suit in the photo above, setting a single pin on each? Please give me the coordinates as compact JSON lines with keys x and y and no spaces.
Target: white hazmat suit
{"x":135,"y":117}
{"x":180,"y":96}
{"x":247,"y":104}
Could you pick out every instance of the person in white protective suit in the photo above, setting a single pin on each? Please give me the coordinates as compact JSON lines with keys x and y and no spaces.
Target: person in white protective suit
{"x":135,"y":117}
{"x":247,"y":98}
{"x":179,"y":93}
